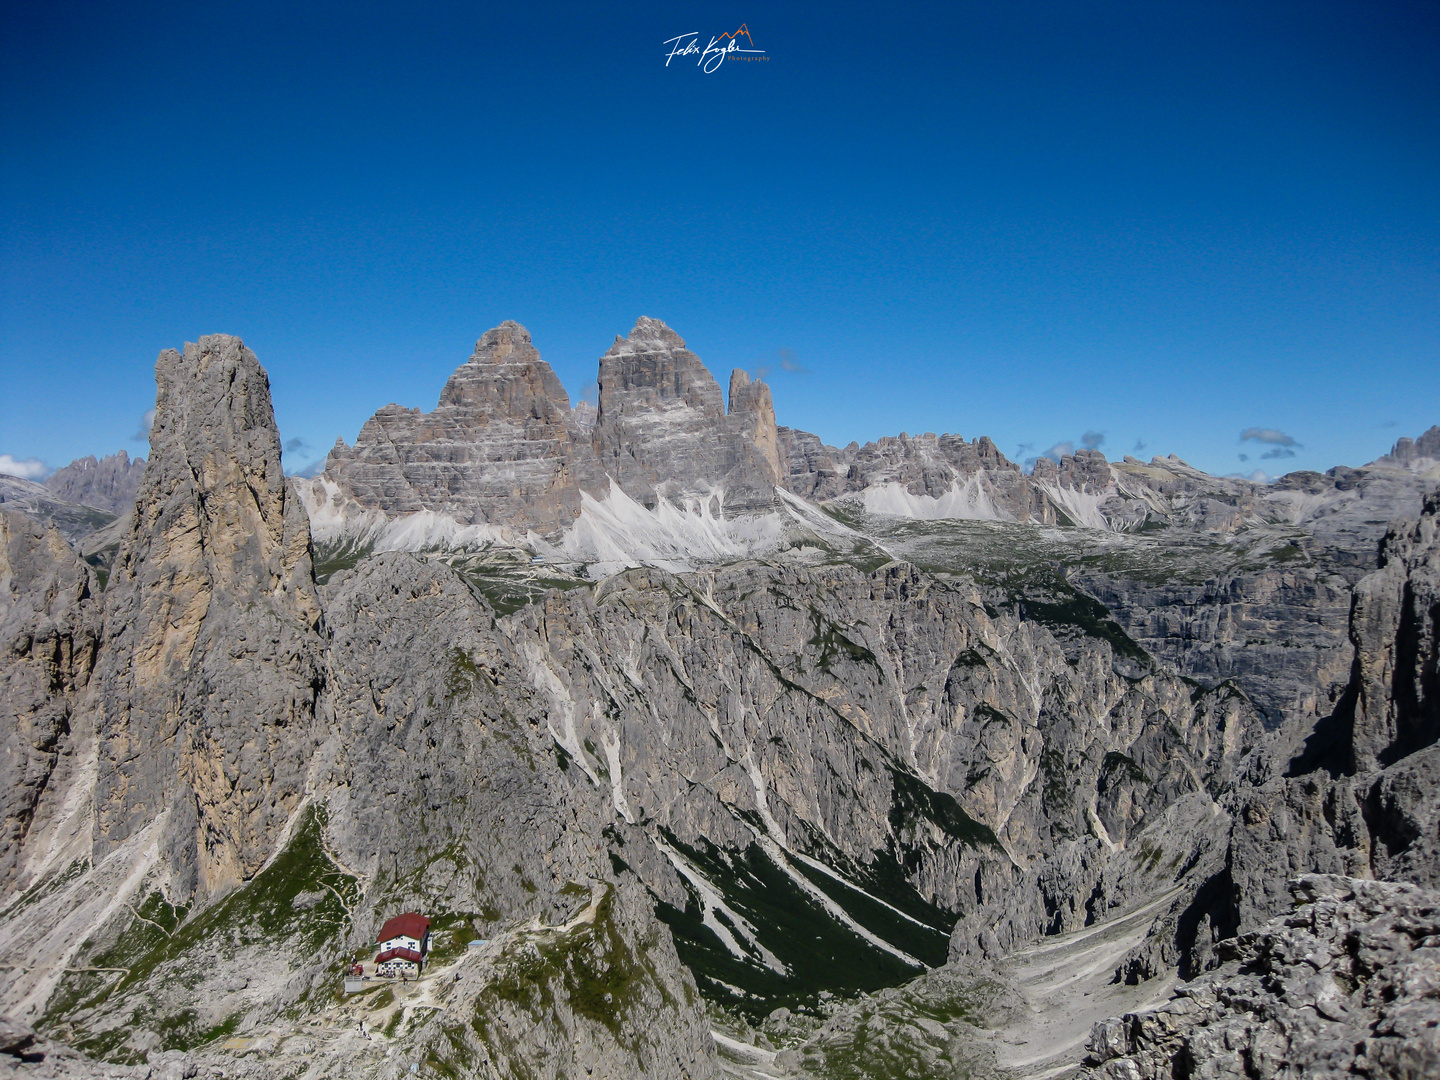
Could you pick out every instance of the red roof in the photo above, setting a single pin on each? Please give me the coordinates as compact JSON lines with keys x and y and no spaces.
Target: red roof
{"x":399,"y":954}
{"x":412,"y":924}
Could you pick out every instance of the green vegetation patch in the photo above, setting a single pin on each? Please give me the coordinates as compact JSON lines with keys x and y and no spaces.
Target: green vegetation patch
{"x":817,"y":952}
{"x":331,"y":558}
{"x":260,"y":920}
{"x":590,"y":967}
{"x":833,"y":644}
{"x":1087,"y":615}
{"x":914,"y":802}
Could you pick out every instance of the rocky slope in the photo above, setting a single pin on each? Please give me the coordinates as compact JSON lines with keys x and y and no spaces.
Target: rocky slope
{"x":74,"y":521}
{"x":1346,"y":985}
{"x":50,"y":628}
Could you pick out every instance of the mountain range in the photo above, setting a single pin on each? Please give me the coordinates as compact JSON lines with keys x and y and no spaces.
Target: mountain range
{"x":710,"y":749}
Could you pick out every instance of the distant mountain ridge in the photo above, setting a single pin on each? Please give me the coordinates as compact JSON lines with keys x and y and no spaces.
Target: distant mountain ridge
{"x":504,"y":458}
{"x":107,"y":484}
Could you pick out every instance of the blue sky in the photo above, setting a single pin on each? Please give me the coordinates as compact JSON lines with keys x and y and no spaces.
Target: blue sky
{"x":1163,"y":224}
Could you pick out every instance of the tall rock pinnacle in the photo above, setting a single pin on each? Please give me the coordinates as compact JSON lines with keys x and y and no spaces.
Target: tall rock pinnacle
{"x":663,"y":432}
{"x":209,"y":671}
{"x":497,"y":449}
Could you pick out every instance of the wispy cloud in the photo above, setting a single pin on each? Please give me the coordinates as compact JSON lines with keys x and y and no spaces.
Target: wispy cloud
{"x":591,"y":393}
{"x":315,"y":468}
{"x":295,"y":446}
{"x":1278,"y":452}
{"x":1140,"y":446}
{"x":1258,"y":476}
{"x":25,"y":468}
{"x":1269,"y":436}
{"x":1092,"y":440}
{"x":783,"y":360}
{"x":147,"y":421}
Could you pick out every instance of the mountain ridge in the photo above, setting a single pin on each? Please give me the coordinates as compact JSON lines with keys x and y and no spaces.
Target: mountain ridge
{"x":715,"y":765}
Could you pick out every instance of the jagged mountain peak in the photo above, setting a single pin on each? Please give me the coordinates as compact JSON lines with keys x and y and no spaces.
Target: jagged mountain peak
{"x":508,"y":341}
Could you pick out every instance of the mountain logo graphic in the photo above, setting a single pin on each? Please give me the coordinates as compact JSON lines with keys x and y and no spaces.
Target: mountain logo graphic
{"x":744,"y":30}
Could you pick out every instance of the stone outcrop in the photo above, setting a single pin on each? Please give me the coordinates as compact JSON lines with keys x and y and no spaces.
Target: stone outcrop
{"x":1352,"y":793}
{"x":498,"y":449}
{"x":812,"y":469}
{"x":209,"y":669}
{"x":943,"y":476}
{"x":108,"y":484}
{"x":1346,"y":985}
{"x":1280,"y":632}
{"x":23,"y":1053}
{"x":49,"y":629}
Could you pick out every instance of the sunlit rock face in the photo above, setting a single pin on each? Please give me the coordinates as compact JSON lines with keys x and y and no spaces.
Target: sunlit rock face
{"x":209,"y":669}
{"x":663,"y":432}
{"x":498,"y":449}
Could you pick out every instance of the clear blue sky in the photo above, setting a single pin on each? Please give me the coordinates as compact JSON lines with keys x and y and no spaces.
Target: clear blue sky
{"x":1161,"y":222}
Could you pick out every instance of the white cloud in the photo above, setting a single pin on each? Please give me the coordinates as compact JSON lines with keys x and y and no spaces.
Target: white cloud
{"x":147,"y":421}
{"x":25,"y":468}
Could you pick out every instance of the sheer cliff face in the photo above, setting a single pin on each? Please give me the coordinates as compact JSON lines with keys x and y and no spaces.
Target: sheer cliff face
{"x":49,"y":626}
{"x":503,"y":447}
{"x":1394,"y":630}
{"x":209,"y":669}
{"x":662,"y":430}
{"x":498,"y":449}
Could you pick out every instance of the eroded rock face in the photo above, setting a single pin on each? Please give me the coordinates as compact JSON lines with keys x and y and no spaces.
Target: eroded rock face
{"x":1353,"y":793}
{"x":663,"y":432}
{"x":1395,"y":629}
{"x":1280,"y":633}
{"x":1420,"y":452}
{"x":49,"y":629}
{"x":498,"y":449}
{"x":108,"y":484}
{"x":209,"y":670}
{"x":1346,"y":985}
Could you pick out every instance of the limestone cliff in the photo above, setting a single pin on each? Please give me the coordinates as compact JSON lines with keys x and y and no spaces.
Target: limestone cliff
{"x":107,"y":484}
{"x":49,"y":629}
{"x":497,"y":449}
{"x":209,"y":669}
{"x":663,"y":432}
